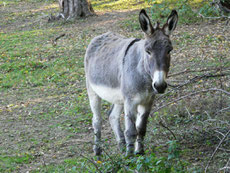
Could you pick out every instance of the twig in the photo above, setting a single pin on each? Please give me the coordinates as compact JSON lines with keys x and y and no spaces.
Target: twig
{"x":57,"y":38}
{"x":193,"y":71}
{"x":201,"y":15}
{"x":219,"y":132}
{"x":212,"y":120}
{"x":190,"y":116}
{"x":192,"y":94}
{"x":227,"y":165}
{"x":225,"y":150}
{"x":95,"y":165}
{"x":218,"y":146}
{"x":224,"y":109}
{"x":161,"y":123}
{"x":224,"y":168}
{"x":109,"y":157}
{"x":194,"y":79}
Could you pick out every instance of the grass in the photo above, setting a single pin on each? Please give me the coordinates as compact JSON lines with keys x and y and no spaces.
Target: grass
{"x":10,"y":163}
{"x":29,"y":59}
{"x":109,"y":5}
{"x":45,"y":115}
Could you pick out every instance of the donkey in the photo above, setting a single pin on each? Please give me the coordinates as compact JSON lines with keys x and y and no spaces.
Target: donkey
{"x":128,"y":73}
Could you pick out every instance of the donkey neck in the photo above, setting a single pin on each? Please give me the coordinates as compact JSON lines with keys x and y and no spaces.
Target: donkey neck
{"x":134,"y":60}
{"x":141,"y":64}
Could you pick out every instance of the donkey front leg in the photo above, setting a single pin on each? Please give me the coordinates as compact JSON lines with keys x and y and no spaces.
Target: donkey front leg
{"x":114,"y":119}
{"x":95,"y":104}
{"x":130,"y":127}
{"x":141,"y":125}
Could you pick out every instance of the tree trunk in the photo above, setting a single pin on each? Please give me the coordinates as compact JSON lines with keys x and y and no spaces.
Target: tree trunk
{"x":75,"y":8}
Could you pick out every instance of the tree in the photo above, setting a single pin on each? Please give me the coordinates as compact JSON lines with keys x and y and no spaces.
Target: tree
{"x":73,"y":8}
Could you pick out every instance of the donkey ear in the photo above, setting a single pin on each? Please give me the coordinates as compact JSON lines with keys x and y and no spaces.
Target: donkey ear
{"x":170,"y":26}
{"x":145,"y":23}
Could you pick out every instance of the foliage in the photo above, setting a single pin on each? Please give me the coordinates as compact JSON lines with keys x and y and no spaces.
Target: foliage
{"x":163,"y":9}
{"x":9,"y":162}
{"x":149,"y":162}
{"x":209,"y":11}
{"x":188,"y":10}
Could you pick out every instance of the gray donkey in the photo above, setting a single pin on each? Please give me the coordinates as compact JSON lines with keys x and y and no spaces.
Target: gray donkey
{"x":128,"y":72}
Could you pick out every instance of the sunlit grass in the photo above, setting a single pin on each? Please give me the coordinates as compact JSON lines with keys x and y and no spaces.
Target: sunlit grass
{"x":109,"y":5}
{"x":46,"y":7}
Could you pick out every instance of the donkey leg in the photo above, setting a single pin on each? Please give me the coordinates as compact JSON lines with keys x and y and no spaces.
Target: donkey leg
{"x":141,"y":125}
{"x":95,"y":104}
{"x":114,"y":119}
{"x":130,"y":127}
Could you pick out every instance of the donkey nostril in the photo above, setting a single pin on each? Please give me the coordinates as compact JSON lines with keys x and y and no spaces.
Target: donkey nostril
{"x":160,"y":87}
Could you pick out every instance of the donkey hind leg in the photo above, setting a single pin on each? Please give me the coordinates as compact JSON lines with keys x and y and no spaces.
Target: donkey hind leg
{"x":141,"y":125}
{"x":114,"y":119}
{"x":130,"y":127}
{"x":95,"y":104}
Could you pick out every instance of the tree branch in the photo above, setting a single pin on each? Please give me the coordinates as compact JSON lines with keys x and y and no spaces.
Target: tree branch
{"x":220,"y":17}
{"x":161,"y":123}
{"x":218,"y":146}
{"x":91,"y":161}
{"x":54,"y":42}
{"x":194,"y":79}
{"x":195,"y":70}
{"x":192,"y":94}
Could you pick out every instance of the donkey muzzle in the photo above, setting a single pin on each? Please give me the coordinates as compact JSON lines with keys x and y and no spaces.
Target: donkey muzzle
{"x":159,"y":85}
{"x":160,"y":88}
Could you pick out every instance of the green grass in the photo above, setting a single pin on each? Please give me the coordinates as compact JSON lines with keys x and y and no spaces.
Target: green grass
{"x":109,"y":5}
{"x":118,"y":163}
{"x":29,"y":59}
{"x":10,"y":163}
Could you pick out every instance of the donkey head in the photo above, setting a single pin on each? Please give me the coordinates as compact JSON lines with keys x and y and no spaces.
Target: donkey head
{"x":157,"y":48}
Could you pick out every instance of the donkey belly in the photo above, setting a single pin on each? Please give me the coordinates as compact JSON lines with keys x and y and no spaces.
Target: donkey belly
{"x":112,"y":95}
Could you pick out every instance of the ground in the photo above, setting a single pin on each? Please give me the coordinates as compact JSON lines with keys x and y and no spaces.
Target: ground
{"x":45,"y":119}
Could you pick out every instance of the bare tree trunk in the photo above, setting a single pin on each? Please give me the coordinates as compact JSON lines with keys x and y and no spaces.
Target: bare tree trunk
{"x":75,"y":8}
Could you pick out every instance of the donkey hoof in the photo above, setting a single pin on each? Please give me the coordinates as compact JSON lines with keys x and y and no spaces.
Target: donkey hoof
{"x":129,"y":150}
{"x":141,"y":152}
{"x":139,"y":149}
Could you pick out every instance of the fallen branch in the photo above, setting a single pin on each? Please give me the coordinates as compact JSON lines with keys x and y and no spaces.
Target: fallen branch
{"x":218,"y":146}
{"x":194,"y":79}
{"x":195,"y":71}
{"x":224,"y":168}
{"x":57,"y":17}
{"x":162,"y":124}
{"x":220,"y":17}
{"x":224,"y":109}
{"x":192,"y":94}
{"x":54,"y":42}
{"x":91,"y":161}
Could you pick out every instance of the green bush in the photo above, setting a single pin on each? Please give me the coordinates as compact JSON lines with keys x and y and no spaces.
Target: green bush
{"x":189,"y":11}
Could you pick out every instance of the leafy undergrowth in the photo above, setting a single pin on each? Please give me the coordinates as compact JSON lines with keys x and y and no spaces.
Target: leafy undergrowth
{"x":45,"y":119}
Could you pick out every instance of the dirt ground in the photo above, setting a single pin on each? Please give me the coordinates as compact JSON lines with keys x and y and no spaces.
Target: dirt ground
{"x":44,"y":124}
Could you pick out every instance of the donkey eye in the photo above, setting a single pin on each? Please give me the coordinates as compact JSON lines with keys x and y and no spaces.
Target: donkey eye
{"x":148,"y":52}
